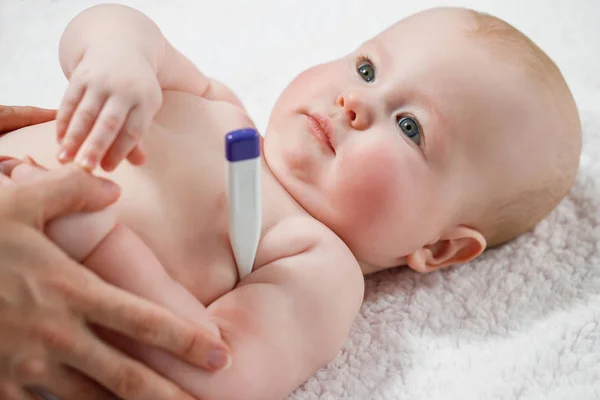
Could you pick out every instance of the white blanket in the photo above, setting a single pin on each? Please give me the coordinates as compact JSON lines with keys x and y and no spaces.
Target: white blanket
{"x":519,"y":323}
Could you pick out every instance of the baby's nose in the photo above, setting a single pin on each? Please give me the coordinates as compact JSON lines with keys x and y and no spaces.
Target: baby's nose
{"x":356,"y":109}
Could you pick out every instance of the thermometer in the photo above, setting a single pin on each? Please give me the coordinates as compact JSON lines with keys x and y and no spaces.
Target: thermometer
{"x":242,"y":149}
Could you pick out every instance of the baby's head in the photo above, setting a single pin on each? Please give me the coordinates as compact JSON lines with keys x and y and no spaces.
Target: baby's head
{"x":448,"y":133}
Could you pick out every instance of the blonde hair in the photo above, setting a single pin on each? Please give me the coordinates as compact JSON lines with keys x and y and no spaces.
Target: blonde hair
{"x":519,"y":210}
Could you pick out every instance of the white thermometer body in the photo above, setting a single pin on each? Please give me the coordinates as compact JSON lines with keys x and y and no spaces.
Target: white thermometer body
{"x":242,"y":150}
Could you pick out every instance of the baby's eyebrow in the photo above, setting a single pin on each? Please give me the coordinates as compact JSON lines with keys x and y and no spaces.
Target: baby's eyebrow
{"x":382,"y":51}
{"x":434,"y":141}
{"x":385,"y":54}
{"x":431,"y":141}
{"x":432,"y":108}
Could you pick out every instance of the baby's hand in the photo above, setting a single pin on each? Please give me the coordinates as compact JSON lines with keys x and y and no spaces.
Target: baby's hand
{"x":112,"y":96}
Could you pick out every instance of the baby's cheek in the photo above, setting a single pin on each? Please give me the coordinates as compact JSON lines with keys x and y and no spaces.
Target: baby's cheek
{"x":313,"y":83}
{"x":312,"y":75}
{"x":367,"y":188}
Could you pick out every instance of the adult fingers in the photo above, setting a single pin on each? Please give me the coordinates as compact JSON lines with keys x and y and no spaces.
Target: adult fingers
{"x":125,"y":377}
{"x":68,"y":384}
{"x":58,"y":192}
{"x":4,"y":180}
{"x":5,"y":167}
{"x":12,"y":391}
{"x":148,"y":323}
{"x":16,"y":117}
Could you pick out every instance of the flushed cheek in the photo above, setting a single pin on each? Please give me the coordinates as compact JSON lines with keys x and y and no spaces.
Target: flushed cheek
{"x":381,"y":198}
{"x":366,"y":187}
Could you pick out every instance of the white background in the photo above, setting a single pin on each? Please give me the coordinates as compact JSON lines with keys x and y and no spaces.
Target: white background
{"x":521,"y":322}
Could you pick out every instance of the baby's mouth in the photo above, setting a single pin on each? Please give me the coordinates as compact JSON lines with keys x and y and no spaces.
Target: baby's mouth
{"x":322,"y":128}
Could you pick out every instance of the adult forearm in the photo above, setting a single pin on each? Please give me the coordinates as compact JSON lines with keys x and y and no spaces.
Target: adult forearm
{"x":16,"y":117}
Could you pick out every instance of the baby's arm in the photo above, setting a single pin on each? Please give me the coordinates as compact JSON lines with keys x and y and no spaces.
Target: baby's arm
{"x":108,"y":24}
{"x":118,"y":63}
{"x":116,"y":254}
{"x":283,"y":322}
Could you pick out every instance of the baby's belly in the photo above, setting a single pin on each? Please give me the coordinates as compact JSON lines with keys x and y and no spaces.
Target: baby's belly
{"x":176,"y":202}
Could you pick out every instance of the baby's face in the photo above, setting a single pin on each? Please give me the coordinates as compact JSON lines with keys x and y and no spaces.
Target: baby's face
{"x":384,"y":144}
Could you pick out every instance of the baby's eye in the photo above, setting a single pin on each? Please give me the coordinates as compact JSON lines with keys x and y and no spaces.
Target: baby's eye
{"x":410,"y":128}
{"x":365,"y":69}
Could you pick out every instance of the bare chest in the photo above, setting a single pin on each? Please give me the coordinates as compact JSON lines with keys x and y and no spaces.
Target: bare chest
{"x":177,"y":202}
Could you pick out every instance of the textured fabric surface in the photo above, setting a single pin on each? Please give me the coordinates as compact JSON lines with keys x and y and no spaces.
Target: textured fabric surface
{"x":519,"y":323}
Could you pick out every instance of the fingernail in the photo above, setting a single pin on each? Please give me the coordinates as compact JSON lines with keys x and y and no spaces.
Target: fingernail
{"x":109,"y":186}
{"x":218,"y":359}
{"x":86,"y":163}
{"x":7,"y":164}
{"x":63,"y":156}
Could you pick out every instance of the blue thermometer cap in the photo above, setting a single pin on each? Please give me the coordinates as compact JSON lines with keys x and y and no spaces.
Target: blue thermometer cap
{"x":242,"y":144}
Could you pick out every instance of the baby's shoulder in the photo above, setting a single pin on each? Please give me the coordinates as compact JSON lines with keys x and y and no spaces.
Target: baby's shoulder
{"x":315,"y":268}
{"x":304,"y":234}
{"x":184,"y":110}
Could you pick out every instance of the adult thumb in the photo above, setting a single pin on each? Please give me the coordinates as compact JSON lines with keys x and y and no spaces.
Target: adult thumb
{"x":59,"y":192}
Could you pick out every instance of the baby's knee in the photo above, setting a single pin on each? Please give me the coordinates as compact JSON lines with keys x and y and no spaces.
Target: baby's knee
{"x":79,"y":234}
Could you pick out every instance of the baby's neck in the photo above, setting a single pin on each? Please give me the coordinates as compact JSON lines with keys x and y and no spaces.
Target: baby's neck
{"x":278,"y":203}
{"x":286,"y":206}
{"x":368,"y":269}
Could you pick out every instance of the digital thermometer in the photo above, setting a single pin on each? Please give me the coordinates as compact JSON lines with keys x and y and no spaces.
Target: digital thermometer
{"x":242,"y":149}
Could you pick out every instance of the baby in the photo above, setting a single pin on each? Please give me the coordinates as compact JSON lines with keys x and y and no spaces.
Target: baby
{"x":448,"y":133}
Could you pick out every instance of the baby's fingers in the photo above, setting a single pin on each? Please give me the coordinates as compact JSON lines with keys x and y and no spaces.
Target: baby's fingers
{"x":104,"y":133}
{"x":67,"y":108}
{"x":80,"y":125}
{"x":137,"y":155}
{"x":128,"y":139}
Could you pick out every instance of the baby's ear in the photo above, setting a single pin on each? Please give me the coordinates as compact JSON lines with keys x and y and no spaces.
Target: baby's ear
{"x":458,"y":245}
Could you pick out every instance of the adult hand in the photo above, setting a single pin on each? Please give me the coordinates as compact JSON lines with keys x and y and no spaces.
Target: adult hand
{"x":47,"y":301}
{"x":16,"y":117}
